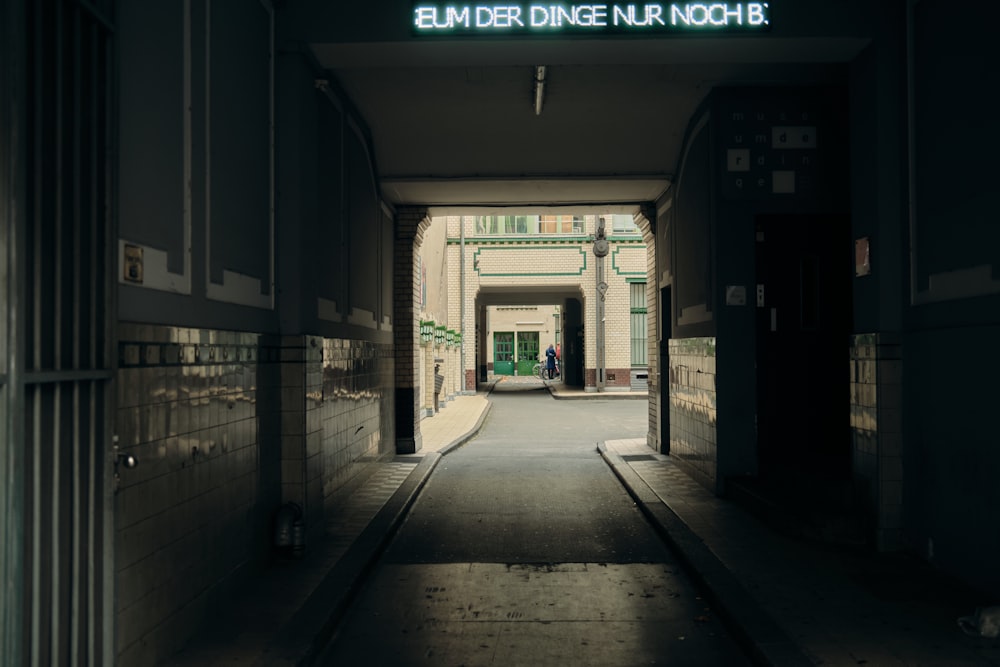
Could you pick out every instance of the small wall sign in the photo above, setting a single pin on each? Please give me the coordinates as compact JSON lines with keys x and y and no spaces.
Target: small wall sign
{"x":862,"y":257}
{"x":132,"y":264}
{"x":736,"y":295}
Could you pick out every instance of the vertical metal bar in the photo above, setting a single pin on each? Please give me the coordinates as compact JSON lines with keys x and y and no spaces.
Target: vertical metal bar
{"x":272,"y":59}
{"x":188,"y":146}
{"x":36,"y":525}
{"x":76,"y":567}
{"x":55,"y":524}
{"x":13,"y":117}
{"x":104,"y":520}
{"x":93,"y":543}
{"x":34,"y":454}
{"x":76,"y":559}
{"x":90,"y":463}
{"x":95,"y":153}
{"x":36,"y":193}
{"x":911,"y":145}
{"x":60,"y":181}
{"x":77,"y":183}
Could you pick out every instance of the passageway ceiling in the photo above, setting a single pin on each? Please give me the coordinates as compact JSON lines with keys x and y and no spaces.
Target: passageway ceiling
{"x":527,"y":295}
{"x":453,"y":120}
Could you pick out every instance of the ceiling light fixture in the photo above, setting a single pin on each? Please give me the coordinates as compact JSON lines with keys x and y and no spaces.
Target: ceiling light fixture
{"x":539,"y":88}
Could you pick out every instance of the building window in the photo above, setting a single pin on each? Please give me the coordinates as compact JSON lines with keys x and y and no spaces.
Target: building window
{"x":623,"y":224}
{"x":637,"y":308}
{"x":560,"y":224}
{"x":499,"y":225}
{"x":528,"y":225}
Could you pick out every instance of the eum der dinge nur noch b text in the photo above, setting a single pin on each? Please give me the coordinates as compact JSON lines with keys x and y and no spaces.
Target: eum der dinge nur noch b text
{"x":677,"y":16}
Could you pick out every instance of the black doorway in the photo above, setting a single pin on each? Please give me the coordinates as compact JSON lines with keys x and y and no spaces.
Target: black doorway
{"x":803,"y":328}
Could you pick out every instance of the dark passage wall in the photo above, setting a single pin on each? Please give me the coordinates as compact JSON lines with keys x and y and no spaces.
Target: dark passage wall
{"x":254,"y":305}
{"x":752,"y":152}
{"x":950,"y":356}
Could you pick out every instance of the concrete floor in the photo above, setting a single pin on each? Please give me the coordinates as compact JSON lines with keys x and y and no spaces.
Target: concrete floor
{"x":786,"y":601}
{"x":524,"y":549}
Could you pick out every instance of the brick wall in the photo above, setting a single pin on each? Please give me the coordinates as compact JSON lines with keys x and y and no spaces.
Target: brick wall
{"x":410,"y":225}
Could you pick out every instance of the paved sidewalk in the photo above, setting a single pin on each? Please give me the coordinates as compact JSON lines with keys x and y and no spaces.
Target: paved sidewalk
{"x":456,"y":421}
{"x":799,"y":603}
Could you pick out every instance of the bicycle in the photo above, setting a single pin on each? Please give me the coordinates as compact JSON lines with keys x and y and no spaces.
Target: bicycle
{"x":542,"y":372}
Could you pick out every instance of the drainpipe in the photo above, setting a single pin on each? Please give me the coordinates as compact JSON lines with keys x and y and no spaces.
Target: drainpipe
{"x":599,"y":329}
{"x":600,"y":251}
{"x":539,"y":88}
{"x":461,"y":301}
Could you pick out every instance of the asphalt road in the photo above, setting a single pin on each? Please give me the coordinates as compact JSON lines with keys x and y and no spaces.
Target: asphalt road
{"x":524,"y":549}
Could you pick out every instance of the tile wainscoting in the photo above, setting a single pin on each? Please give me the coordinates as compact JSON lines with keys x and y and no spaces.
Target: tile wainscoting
{"x":693,"y":412}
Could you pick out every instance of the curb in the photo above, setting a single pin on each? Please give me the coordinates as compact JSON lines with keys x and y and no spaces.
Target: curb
{"x":461,"y":440}
{"x":613,"y":395}
{"x":755,"y":630}
{"x":306,"y":637}
{"x":303,"y":640}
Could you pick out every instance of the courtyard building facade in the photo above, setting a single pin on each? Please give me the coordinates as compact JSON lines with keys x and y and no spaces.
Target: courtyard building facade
{"x":511,"y":285}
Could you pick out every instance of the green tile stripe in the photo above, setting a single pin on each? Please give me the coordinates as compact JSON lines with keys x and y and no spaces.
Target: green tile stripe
{"x":578,"y":272}
{"x":618,"y":270}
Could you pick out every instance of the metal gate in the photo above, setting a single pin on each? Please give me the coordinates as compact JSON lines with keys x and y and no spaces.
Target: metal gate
{"x":56,"y":606}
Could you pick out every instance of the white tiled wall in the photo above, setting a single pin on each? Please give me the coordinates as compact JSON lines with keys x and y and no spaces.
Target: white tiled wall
{"x":187,"y":410}
{"x":876,"y":429}
{"x":226,"y":426}
{"x":693,"y":413}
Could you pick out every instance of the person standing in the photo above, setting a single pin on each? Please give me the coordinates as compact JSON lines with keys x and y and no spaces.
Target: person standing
{"x":550,"y":361}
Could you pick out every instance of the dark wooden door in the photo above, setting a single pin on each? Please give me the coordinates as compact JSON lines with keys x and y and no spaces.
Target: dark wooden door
{"x":803,"y":328}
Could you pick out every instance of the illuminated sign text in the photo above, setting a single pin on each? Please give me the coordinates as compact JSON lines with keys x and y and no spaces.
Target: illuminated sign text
{"x":534,"y":18}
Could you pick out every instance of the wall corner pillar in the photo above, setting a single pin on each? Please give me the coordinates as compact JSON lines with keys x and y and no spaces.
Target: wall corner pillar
{"x":411,"y":223}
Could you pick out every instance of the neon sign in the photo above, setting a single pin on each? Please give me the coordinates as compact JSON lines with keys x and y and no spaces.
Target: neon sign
{"x":519,"y":18}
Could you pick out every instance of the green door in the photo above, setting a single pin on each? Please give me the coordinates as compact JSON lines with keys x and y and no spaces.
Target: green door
{"x":503,"y":353}
{"x":527,"y":352}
